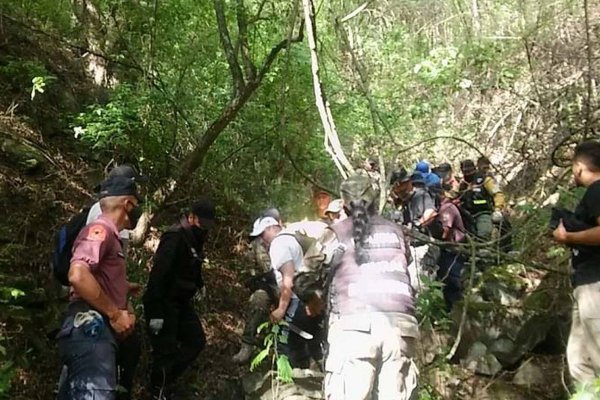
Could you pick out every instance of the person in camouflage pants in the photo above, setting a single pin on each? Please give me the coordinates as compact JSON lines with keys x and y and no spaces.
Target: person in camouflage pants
{"x":264,"y":287}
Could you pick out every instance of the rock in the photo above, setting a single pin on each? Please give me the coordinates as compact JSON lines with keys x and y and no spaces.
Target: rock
{"x":529,"y":374}
{"x":504,"y":350}
{"x":22,"y":155}
{"x":482,"y":362}
{"x":307,"y":385}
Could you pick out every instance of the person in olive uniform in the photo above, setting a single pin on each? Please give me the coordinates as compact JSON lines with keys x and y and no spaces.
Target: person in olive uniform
{"x":176,"y":334}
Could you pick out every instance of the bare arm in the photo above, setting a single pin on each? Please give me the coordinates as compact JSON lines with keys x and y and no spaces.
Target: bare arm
{"x":589,"y":237}
{"x":287,"y":284}
{"x":87,"y":287}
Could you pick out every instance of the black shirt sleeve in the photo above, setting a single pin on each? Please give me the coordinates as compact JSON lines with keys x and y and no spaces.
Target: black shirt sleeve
{"x":162,"y":274}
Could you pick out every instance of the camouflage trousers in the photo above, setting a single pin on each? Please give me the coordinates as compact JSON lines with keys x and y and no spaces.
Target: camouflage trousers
{"x":258,"y":312}
{"x":583,"y":348}
{"x":370,"y":358}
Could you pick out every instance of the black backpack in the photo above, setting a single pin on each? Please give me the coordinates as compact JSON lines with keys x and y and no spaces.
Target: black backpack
{"x":63,"y":246}
{"x":476,"y":200}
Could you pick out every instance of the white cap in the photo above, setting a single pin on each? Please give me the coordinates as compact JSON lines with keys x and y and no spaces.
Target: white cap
{"x":335,"y":206}
{"x":261,"y":224}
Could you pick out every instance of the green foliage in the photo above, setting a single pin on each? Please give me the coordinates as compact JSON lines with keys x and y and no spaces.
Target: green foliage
{"x":9,"y":294}
{"x":281,"y":361}
{"x":589,"y":391}
{"x":16,"y":75}
{"x":426,"y":392}
{"x":431,"y":307}
{"x":39,"y":84}
{"x":7,"y":369}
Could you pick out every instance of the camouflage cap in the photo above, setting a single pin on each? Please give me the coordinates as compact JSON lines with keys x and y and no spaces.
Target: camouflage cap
{"x":358,"y":187}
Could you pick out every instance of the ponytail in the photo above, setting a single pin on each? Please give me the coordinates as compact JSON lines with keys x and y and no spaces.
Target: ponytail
{"x":360,"y":228}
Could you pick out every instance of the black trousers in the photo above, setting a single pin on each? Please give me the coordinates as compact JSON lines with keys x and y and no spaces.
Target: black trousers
{"x":299,"y":350}
{"x":177,"y":345}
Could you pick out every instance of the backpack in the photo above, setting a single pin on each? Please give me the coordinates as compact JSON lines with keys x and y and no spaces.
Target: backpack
{"x":306,"y":233}
{"x":63,"y":246}
{"x":476,"y":200}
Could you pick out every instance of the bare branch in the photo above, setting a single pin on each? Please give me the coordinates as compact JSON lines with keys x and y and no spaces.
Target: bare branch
{"x":275,"y":51}
{"x":305,"y":175}
{"x":225,"y":38}
{"x":242,"y":46}
{"x":356,"y":12}
{"x":331,"y":140}
{"x":257,"y":16}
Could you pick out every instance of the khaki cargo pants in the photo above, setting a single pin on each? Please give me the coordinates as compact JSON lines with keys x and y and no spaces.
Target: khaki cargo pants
{"x":583,"y":348}
{"x":370,"y":358}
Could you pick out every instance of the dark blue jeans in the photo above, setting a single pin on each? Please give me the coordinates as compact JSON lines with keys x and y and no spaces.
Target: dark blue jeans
{"x":90,"y":360}
{"x":449,"y":272}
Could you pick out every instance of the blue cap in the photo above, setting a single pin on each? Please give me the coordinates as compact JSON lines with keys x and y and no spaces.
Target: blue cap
{"x":422,"y":166}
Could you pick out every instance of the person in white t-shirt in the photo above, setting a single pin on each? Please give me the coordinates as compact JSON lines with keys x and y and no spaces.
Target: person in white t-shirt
{"x":286,"y":259}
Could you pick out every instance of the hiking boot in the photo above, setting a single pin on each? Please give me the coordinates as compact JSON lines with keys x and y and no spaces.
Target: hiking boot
{"x":243,"y":356}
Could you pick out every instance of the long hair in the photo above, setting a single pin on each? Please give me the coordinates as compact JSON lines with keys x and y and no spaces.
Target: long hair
{"x":361,"y":228}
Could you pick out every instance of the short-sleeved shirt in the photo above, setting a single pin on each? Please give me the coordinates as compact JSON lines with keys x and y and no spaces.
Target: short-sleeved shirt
{"x":419,"y":202}
{"x":95,"y":212}
{"x":98,"y":246}
{"x":285,"y":248}
{"x":451,"y":219}
{"x":586,"y":264}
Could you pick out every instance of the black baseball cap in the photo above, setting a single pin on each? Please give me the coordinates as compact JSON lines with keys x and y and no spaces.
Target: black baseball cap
{"x":204,"y":209}
{"x":118,"y":186}
{"x":127,"y":171}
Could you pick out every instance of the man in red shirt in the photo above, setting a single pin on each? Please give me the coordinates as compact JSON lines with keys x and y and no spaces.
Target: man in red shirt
{"x":451,"y":262}
{"x":98,"y":317}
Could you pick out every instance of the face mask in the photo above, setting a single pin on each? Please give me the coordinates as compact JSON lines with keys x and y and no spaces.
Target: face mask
{"x":134,"y":215}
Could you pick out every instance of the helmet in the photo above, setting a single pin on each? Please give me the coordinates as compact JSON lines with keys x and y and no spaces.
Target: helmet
{"x":358,"y":187}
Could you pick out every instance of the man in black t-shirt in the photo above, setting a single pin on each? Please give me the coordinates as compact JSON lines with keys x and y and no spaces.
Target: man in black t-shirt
{"x":583,"y":349}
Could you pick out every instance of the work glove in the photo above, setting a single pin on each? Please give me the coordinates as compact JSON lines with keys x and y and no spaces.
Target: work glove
{"x":156,"y":325}
{"x":497,"y":217}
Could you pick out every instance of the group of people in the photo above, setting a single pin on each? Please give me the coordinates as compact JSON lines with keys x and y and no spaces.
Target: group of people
{"x":99,"y":340}
{"x":344,"y":285}
{"x":441,"y":206}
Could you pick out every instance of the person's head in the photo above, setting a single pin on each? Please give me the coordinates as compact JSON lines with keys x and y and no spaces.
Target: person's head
{"x":417,"y":179}
{"x":127,"y":171}
{"x":423,"y":167}
{"x":401,"y":184}
{"x":444,"y":171}
{"x":586,"y":163}
{"x":359,"y":198}
{"x":202,"y":214}
{"x":334,"y":210}
{"x":266,"y":228}
{"x":124,"y":171}
{"x":371,"y":164}
{"x":468,"y":169}
{"x":119,"y":200}
{"x":484,"y":165}
{"x":273,"y":213}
